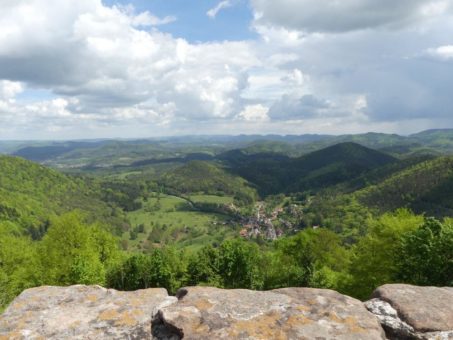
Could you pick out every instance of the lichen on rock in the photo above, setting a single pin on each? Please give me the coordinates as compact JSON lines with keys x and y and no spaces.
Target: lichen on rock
{"x":412,"y":312}
{"x":93,"y":312}
{"x":290,"y":313}
{"x":82,"y":312}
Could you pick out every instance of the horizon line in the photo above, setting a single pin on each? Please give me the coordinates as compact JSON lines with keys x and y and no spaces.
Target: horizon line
{"x":217,"y":135}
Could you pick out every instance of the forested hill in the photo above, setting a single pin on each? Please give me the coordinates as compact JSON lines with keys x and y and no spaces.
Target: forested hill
{"x":333,"y":165}
{"x":331,"y":223}
{"x":274,"y":173}
{"x":92,"y":155}
{"x":347,"y":152}
{"x":208,"y":178}
{"x":426,"y":187}
{"x":31,"y":193}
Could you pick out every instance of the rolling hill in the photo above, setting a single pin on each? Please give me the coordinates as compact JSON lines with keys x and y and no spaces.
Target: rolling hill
{"x":440,"y":140}
{"x":207,"y":178}
{"x":426,"y":187}
{"x":275,"y":173}
{"x":30,"y":193}
{"x":90,"y":155}
{"x":333,"y":165}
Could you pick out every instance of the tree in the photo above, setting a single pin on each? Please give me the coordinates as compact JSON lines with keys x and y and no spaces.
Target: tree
{"x":73,"y":252}
{"x":375,"y":256}
{"x":239,"y":265}
{"x":19,"y":266}
{"x":168,"y":268}
{"x":161,"y":268}
{"x":131,"y":273}
{"x":203,"y":268}
{"x":310,"y":258}
{"x":426,"y":255}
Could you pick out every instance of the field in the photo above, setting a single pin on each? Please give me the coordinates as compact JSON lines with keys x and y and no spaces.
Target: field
{"x":211,"y":199}
{"x":166,"y":219}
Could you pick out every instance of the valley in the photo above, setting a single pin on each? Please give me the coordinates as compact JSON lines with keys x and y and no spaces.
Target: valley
{"x":232,"y":212}
{"x":226,"y":169}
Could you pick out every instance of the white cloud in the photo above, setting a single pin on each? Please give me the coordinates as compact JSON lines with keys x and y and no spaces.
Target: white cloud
{"x":441,"y":53}
{"x":254,"y":113}
{"x":345,"y":15}
{"x":271,"y":82}
{"x":148,"y":19}
{"x":99,"y":56}
{"x":293,"y":107}
{"x":10,"y":89}
{"x":279,"y":36}
{"x":111,"y":71}
{"x":372,"y":63}
{"x":212,"y":13}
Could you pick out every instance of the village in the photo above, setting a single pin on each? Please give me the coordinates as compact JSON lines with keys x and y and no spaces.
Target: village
{"x":270,"y":224}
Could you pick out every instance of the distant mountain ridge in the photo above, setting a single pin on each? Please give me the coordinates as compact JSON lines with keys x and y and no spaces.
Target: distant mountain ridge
{"x":109,"y":153}
{"x":273,"y":173}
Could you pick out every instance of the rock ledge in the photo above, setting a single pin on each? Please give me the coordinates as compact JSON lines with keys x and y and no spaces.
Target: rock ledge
{"x":411,"y":312}
{"x":290,"y":313}
{"x":93,"y":312}
{"x":82,"y":312}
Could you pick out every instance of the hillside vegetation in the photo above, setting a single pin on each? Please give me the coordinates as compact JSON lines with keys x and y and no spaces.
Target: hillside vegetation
{"x":30,"y":194}
{"x":206,"y":178}
{"x":426,"y":187}
{"x":234,"y":213}
{"x":274,"y":173}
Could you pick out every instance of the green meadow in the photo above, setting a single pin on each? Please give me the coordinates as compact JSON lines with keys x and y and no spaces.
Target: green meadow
{"x":166,"y":219}
{"x":211,"y":199}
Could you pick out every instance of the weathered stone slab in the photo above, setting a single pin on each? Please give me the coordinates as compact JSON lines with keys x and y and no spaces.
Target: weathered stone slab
{"x":290,"y":313}
{"x":82,"y":312}
{"x":412,"y":312}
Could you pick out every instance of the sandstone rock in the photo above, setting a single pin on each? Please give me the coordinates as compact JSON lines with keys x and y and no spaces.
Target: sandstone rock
{"x":411,"y":312}
{"x":82,"y":312}
{"x":290,"y":313}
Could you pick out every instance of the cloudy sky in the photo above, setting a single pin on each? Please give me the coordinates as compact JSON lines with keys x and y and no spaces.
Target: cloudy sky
{"x":144,"y":68}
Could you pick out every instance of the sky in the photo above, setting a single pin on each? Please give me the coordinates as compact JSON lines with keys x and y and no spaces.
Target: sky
{"x":148,"y":68}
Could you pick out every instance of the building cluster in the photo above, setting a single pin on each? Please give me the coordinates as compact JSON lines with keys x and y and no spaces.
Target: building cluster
{"x":261,"y":224}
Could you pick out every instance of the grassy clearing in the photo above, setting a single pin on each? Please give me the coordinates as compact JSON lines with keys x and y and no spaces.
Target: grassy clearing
{"x":211,"y":199}
{"x":171,"y":220}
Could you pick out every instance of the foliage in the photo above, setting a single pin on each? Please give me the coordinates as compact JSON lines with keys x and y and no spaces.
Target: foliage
{"x":239,"y":265}
{"x":350,"y":225}
{"x":426,"y":255}
{"x":342,"y":214}
{"x":20,"y":267}
{"x":306,"y":259}
{"x":161,"y":268}
{"x":71,"y":252}
{"x":207,"y":178}
{"x":235,"y":264}
{"x":174,"y":220}
{"x":425,"y":187}
{"x":30,"y":194}
{"x":203,"y":268}
{"x":374,"y":257}
{"x":275,"y":173}
{"x":125,"y":194}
